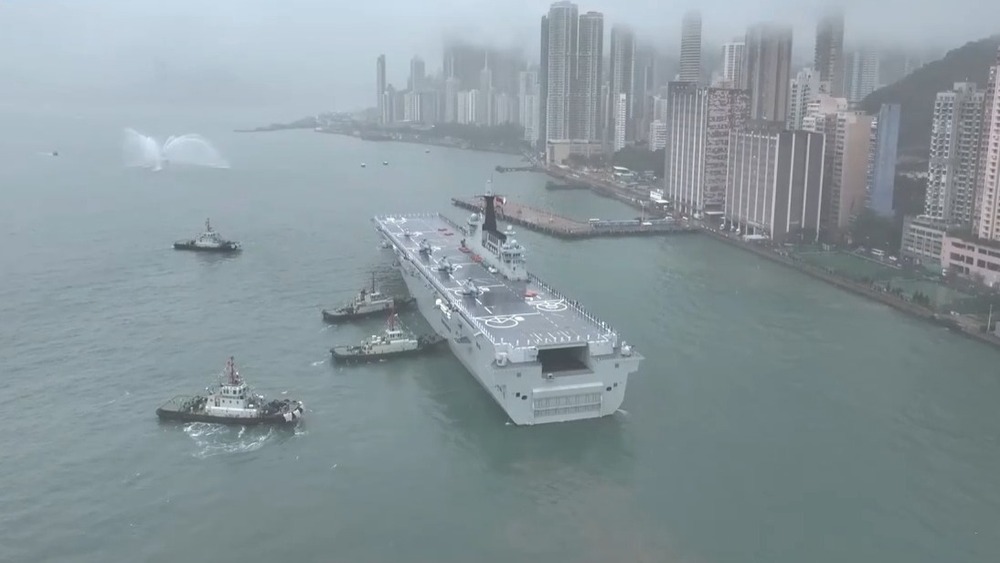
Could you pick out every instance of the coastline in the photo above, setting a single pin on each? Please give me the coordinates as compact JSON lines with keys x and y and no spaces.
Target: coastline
{"x":897,"y":303}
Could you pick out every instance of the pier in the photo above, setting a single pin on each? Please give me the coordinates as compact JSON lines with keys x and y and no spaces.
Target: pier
{"x":558,"y":226}
{"x":503,"y":169}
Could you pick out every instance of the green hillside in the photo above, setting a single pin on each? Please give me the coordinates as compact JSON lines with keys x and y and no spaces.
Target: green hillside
{"x":916,"y":92}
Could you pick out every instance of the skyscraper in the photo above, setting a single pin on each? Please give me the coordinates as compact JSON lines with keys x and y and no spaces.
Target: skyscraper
{"x":543,"y":80}
{"x":802,"y":90}
{"x":562,"y":23}
{"x":733,"y":63}
{"x":698,"y":124}
{"x":989,"y":166}
{"x":691,"y":47}
{"x":416,"y":81}
{"x":383,"y":113}
{"x":769,"y":60}
{"x":863,"y":76}
{"x":586,"y":114}
{"x":528,"y":104}
{"x":954,"y":159}
{"x":882,"y":160}
{"x":829,"y":56}
{"x":621,"y":82}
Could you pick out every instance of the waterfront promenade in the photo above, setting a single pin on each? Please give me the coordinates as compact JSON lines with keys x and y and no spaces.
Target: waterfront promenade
{"x":564,"y":227}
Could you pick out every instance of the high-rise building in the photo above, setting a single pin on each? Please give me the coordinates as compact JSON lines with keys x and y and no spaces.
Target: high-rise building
{"x":468,"y":107}
{"x":383,"y":110}
{"x":802,"y":90}
{"x":528,"y":104}
{"x":698,"y":123}
{"x":543,"y":81}
{"x":882,"y":160}
{"x":642,"y":88}
{"x":774,"y":181}
{"x":691,"y":47}
{"x":621,"y":81}
{"x":847,"y":187}
{"x":989,"y":165}
{"x":829,"y":56}
{"x":451,"y":89}
{"x":562,"y":23}
{"x":657,"y":135}
{"x":417,"y":74}
{"x":733,"y":64}
{"x":954,"y":157}
{"x":863,"y":74}
{"x":768,"y":68}
{"x":586,"y":113}
{"x":620,"y":109}
{"x":411,"y":106}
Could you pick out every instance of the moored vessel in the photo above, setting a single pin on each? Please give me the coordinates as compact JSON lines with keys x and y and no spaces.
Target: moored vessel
{"x":231,"y":401}
{"x":208,"y":241}
{"x":394,"y":341}
{"x":366,"y":303}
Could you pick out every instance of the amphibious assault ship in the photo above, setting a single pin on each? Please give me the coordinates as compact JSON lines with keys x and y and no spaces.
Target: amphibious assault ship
{"x":540,"y":355}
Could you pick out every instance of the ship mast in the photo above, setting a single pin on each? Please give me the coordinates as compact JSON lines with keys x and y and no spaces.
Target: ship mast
{"x":234,"y":377}
{"x":208,"y":226}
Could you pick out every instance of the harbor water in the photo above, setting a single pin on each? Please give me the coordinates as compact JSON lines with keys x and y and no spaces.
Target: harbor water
{"x":775,"y":418}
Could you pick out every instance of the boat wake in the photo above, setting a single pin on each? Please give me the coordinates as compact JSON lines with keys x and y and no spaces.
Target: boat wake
{"x":219,"y":439}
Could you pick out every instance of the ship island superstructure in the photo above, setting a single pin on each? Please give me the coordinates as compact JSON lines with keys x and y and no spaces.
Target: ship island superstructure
{"x":540,"y":355}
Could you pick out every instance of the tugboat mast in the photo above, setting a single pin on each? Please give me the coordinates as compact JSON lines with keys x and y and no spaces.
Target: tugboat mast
{"x":208,"y":226}
{"x":233,"y":375}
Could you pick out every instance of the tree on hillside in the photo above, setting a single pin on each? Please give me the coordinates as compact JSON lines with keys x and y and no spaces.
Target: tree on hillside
{"x":915,"y":93}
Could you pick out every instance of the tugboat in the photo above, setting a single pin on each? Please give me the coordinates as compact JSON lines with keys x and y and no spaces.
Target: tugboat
{"x":394,"y":341}
{"x":209,"y":241}
{"x":367,"y":302}
{"x":232,"y":401}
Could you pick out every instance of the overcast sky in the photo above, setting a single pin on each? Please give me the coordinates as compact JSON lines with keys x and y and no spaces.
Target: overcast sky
{"x":321,"y":53}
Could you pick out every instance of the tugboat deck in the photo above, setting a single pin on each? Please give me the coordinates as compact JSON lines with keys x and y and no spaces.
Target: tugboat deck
{"x":516,"y":313}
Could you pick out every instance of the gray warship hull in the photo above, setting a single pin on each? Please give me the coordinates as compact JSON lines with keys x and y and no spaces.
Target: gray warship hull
{"x":540,"y":356}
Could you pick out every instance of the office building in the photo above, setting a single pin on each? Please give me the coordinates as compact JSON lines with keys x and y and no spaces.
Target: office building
{"x":882,"y":160}
{"x":691,"y":47}
{"x":768,"y":68}
{"x":417,"y":74}
{"x":862,"y":74}
{"x":923,"y":240}
{"x":829,"y":56}
{"x":774,"y":182}
{"x":698,"y":124}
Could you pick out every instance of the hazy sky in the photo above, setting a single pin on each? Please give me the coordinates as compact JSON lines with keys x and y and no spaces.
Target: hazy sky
{"x":321,"y":53}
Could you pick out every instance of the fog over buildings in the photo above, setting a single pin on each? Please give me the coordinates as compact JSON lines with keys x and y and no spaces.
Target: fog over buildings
{"x":317,"y":54}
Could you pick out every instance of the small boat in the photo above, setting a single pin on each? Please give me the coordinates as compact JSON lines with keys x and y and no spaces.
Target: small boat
{"x":367,"y":302}
{"x":232,"y":401}
{"x":394,"y":341}
{"x":427,"y":150}
{"x":385,"y":163}
{"x":208,"y":241}
{"x":363,"y":164}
